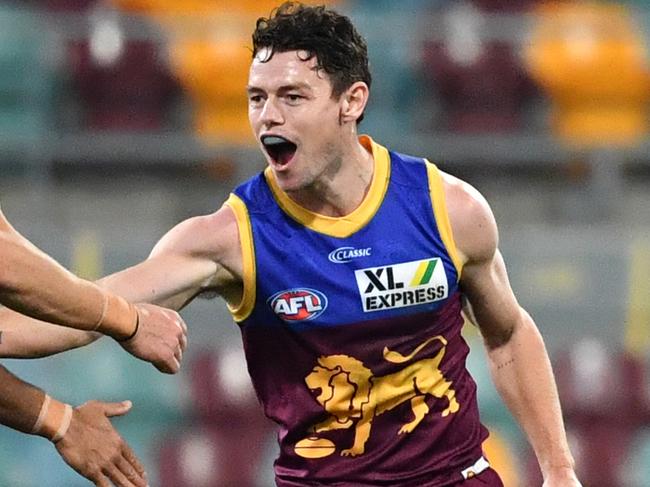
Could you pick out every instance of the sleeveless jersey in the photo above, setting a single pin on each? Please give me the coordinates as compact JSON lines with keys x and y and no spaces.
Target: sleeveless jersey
{"x":351,"y":328}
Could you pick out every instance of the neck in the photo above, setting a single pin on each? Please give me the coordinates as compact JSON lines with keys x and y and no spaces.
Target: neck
{"x":343,"y":186}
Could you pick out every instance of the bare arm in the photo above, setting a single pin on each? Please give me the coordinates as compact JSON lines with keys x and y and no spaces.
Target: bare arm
{"x":34,"y":284}
{"x":83,"y":436}
{"x":199,"y":254}
{"x":517,"y":356}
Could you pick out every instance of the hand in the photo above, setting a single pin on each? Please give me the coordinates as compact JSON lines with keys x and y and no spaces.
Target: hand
{"x":160,"y":339}
{"x":94,"y":449}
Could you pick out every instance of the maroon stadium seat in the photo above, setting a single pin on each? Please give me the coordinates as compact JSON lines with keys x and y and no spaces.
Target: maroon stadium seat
{"x":134,"y":91}
{"x":605,"y":402}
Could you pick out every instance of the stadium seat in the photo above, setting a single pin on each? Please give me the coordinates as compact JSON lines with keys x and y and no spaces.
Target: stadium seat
{"x":605,"y":402}
{"x":480,"y":84}
{"x":122,"y":84}
{"x":221,"y":387}
{"x":227,"y":443}
{"x":591,"y":59}
{"x":214,"y":71}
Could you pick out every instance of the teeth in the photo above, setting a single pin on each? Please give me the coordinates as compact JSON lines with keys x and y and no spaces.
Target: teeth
{"x":273,"y":140}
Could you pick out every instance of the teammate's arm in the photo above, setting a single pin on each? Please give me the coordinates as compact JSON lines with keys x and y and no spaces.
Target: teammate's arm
{"x":199,"y":254}
{"x":34,"y":284}
{"x":517,"y":356}
{"x":83,"y":436}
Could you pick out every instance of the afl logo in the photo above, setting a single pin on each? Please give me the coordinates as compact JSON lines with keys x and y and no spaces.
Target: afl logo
{"x":298,"y":304}
{"x":346,"y":254}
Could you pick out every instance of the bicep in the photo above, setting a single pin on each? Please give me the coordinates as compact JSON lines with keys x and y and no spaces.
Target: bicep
{"x":494,"y":307}
{"x":484,"y":282}
{"x":185,"y":262}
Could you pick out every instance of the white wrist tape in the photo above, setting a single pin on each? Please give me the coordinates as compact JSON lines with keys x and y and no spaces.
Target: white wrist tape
{"x":65,"y":424}
{"x":53,"y":422}
{"x":41,"y":415}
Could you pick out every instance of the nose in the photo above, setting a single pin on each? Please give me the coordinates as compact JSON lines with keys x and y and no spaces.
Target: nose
{"x":271,"y":113}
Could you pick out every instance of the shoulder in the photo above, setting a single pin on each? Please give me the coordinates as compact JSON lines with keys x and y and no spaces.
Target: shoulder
{"x":472,"y":221}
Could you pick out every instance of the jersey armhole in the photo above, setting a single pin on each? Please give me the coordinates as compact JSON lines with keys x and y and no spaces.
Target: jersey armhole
{"x":245,"y":306}
{"x":439,"y":204}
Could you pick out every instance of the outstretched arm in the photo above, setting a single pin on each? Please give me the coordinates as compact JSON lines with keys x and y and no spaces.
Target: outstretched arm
{"x":517,"y":356}
{"x":34,"y":284}
{"x":198,"y":254}
{"x":83,"y":436}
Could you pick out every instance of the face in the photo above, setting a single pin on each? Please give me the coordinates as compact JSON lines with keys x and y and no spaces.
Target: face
{"x":294,"y":118}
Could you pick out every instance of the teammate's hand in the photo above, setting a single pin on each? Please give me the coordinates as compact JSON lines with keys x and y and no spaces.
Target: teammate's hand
{"x":161,"y":338}
{"x":94,"y":449}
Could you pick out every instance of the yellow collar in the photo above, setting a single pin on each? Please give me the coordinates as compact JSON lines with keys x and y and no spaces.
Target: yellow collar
{"x":344,"y":226}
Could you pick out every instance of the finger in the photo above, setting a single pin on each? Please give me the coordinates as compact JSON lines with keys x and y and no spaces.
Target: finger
{"x":182,"y":324}
{"x":178,"y":354}
{"x":133,"y":460}
{"x":135,"y":477}
{"x":102,"y":481}
{"x":167,"y":365}
{"x":183,"y":341}
{"x":175,"y":365}
{"x":116,"y":408}
{"x":117,"y":477}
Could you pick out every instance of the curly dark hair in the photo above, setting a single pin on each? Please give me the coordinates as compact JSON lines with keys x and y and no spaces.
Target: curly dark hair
{"x":323,"y":33}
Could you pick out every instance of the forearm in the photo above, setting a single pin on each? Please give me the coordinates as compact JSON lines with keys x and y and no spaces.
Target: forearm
{"x":26,"y":408}
{"x":34,"y":284}
{"x":169,"y":282}
{"x":20,"y":402}
{"x":25,"y":337}
{"x":522,"y":373}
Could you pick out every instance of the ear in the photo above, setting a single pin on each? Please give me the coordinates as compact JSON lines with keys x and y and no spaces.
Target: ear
{"x":354,"y":101}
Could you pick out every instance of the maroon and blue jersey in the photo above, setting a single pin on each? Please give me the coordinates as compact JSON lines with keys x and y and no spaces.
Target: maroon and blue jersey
{"x":352,"y":332}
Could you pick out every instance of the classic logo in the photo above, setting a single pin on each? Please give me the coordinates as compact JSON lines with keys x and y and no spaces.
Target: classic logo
{"x":404,"y":284}
{"x":298,"y":304}
{"x":353,"y":396}
{"x":346,"y":254}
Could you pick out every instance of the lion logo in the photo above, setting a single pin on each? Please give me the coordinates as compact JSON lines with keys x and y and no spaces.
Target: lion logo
{"x":353,"y":396}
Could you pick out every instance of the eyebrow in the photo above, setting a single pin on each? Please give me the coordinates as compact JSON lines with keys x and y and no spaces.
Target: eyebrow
{"x":281,"y":89}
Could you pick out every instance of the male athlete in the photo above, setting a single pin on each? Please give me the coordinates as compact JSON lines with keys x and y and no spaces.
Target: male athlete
{"x":345,"y":266}
{"x":34,"y":284}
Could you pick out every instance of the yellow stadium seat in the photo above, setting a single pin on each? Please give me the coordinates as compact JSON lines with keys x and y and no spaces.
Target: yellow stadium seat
{"x":590,"y":58}
{"x":215,"y":72}
{"x":210,"y":53}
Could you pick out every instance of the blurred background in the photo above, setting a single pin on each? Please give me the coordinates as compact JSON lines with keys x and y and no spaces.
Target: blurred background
{"x":119,"y":119}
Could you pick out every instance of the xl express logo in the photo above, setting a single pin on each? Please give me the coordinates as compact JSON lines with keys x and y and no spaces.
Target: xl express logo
{"x":400,"y":285}
{"x":298,"y":304}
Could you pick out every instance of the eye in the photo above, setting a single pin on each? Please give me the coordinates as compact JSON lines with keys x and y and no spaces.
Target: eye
{"x":294,"y":98}
{"x":255,"y":99}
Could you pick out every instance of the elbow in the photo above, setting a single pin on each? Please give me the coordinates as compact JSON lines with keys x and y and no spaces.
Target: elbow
{"x":502,"y":332}
{"x":499,"y":338}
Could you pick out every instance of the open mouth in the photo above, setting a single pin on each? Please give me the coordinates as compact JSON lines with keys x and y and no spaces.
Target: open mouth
{"x":279,"y":149}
